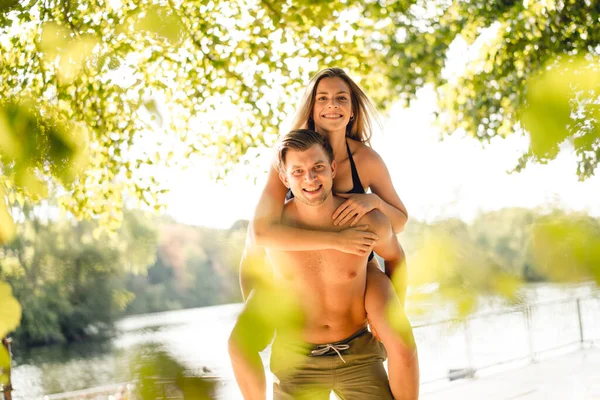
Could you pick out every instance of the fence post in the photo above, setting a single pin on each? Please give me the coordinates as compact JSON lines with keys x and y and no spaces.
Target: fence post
{"x":468,"y":344}
{"x":529,"y":332}
{"x":580,"y":321}
{"x":6,"y":390}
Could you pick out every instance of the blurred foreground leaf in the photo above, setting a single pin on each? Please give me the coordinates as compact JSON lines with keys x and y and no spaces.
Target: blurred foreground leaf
{"x":459,"y":270}
{"x":563,"y":102}
{"x":270,"y":308}
{"x":35,"y":144}
{"x":7,"y":227}
{"x":161,"y":21}
{"x":567,"y":248}
{"x":10,"y":310}
{"x":160,"y":376}
{"x":4,"y":366}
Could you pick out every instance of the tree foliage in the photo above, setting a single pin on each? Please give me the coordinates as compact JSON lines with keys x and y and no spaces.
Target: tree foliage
{"x":98,"y":94}
{"x":510,"y":43}
{"x":73,"y":280}
{"x":195,"y":267}
{"x":68,"y":277}
{"x":175,"y":78}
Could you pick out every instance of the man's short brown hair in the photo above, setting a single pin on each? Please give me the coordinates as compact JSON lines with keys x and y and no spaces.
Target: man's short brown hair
{"x":301,"y":140}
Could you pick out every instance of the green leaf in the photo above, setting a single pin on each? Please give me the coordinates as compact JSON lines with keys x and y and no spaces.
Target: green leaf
{"x":4,"y":366}
{"x":10,"y":312}
{"x":7,"y":226}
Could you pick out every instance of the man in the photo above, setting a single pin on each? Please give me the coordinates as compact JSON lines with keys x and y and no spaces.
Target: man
{"x":316,"y":300}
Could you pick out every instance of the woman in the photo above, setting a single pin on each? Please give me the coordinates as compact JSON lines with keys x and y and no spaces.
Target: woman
{"x":335,"y":106}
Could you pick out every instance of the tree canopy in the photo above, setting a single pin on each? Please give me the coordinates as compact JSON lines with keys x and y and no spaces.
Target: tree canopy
{"x":98,"y":93}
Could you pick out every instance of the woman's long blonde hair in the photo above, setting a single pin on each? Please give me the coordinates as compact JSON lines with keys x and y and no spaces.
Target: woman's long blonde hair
{"x":365,"y":114}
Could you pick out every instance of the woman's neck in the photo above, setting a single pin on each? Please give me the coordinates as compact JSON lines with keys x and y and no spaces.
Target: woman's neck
{"x":338,"y":144}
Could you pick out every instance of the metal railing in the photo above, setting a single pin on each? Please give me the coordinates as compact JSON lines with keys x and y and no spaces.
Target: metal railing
{"x":124,"y":389}
{"x":480,"y":341}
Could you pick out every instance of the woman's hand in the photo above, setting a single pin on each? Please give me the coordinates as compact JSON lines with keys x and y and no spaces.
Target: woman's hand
{"x":353,"y":209}
{"x":357,"y":240}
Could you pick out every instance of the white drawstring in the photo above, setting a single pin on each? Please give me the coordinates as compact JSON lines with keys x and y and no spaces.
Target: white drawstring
{"x":324,"y":348}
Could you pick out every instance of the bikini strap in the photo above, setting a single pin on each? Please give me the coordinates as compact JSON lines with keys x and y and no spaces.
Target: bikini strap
{"x":357,"y":186}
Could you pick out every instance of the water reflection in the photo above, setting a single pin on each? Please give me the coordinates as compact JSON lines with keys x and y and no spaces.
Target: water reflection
{"x":195,"y":338}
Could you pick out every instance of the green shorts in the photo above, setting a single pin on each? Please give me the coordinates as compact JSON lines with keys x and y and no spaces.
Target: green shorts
{"x":352,"y":368}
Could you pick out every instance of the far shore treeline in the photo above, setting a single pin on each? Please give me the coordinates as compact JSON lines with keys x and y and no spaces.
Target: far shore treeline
{"x":74,"y":281}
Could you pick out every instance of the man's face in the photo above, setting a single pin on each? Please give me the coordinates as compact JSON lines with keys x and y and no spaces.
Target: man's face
{"x":333,"y":105}
{"x":309,"y":175}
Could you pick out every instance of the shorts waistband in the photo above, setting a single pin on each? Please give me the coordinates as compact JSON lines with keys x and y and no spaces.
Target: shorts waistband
{"x":337,"y":347}
{"x":350,"y":338}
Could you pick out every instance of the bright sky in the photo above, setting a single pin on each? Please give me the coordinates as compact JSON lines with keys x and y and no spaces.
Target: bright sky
{"x":456,"y":177}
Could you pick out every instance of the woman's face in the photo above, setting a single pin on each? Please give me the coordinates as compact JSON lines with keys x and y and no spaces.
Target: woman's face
{"x":333,"y":105}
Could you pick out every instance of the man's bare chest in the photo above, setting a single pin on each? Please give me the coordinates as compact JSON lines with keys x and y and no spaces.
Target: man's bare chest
{"x":318,"y":267}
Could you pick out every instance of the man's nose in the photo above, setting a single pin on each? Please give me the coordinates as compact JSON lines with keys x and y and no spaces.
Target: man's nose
{"x":310,"y":176}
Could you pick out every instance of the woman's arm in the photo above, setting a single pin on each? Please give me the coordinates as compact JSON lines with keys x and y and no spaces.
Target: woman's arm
{"x":383,"y":197}
{"x":269,"y":232}
{"x":380,"y":183}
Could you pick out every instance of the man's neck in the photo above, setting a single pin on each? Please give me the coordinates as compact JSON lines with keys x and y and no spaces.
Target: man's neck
{"x":316,"y":215}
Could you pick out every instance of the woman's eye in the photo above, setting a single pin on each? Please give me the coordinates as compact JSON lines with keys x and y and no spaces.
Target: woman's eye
{"x":322,"y":98}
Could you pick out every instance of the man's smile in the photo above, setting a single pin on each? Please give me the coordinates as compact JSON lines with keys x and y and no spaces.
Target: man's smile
{"x":313,"y":190}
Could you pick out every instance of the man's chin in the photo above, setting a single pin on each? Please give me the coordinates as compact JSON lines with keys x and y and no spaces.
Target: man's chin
{"x":311,"y":202}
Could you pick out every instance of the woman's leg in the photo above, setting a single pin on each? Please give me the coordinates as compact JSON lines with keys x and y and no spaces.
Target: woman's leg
{"x":390,"y":324}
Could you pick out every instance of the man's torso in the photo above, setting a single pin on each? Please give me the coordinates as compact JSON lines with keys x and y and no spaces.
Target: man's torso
{"x":329,"y":285}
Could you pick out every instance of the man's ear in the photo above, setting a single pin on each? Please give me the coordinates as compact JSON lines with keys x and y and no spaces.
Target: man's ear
{"x":333,"y":169}
{"x":284,"y":179}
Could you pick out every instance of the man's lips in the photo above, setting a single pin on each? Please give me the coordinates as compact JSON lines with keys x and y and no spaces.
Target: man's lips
{"x":314,"y":190}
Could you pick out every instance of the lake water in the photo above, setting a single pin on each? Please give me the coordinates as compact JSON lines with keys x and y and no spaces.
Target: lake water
{"x":197,"y":338}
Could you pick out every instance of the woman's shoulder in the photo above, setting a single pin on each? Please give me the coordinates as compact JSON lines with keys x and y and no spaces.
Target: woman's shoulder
{"x":362,"y":153}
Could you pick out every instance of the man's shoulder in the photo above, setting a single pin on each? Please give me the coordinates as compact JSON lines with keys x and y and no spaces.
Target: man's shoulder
{"x":289,"y":214}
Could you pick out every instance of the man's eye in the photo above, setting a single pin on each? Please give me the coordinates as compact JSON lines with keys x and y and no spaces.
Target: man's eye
{"x":319,"y":167}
